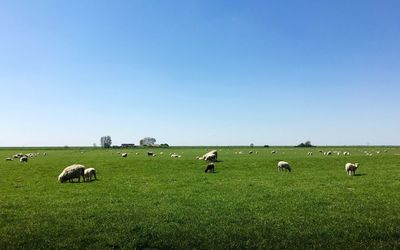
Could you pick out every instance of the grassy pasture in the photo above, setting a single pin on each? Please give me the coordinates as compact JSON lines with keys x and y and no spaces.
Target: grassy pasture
{"x":162,"y":202}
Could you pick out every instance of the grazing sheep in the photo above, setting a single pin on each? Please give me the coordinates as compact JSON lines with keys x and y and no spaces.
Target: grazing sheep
{"x":351,"y":168}
{"x":175,"y":156}
{"x":124,"y":154}
{"x":240,"y":152}
{"x":273,"y":152}
{"x":210,"y":167}
{"x":9,"y":159}
{"x":150,"y":153}
{"x":90,"y":173}
{"x":256,"y":153}
{"x":44,"y":154}
{"x":283,"y":165}
{"x":71,"y":172}
{"x":23,"y":159}
{"x":309,"y":153}
{"x":210,"y":156}
{"x":250,"y":152}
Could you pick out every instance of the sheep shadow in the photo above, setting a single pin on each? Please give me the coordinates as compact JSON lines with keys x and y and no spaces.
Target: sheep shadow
{"x":359,"y":175}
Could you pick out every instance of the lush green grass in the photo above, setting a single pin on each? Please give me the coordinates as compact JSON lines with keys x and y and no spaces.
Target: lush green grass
{"x":161,"y":202}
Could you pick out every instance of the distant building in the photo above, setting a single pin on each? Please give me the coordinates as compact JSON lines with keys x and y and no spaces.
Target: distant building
{"x":128,"y":145}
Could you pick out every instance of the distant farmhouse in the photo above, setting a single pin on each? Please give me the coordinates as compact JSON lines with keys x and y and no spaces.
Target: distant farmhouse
{"x":128,"y":145}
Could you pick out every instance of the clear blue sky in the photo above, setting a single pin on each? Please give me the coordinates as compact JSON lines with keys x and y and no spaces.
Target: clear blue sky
{"x":200,"y":72}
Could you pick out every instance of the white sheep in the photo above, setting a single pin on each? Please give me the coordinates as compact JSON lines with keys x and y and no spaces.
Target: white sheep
{"x":89,"y":174}
{"x":175,"y":156}
{"x":211,"y":156}
{"x":351,"y":168}
{"x":309,"y":153}
{"x":23,"y":159}
{"x":273,"y":152}
{"x":283,"y":165}
{"x":124,"y":154}
{"x":71,"y":172}
{"x":9,"y":159}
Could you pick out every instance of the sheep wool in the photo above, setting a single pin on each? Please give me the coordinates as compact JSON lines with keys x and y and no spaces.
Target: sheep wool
{"x":72,"y":172}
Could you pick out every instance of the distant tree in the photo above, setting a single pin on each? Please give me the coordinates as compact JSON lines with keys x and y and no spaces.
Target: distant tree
{"x":251,"y":145}
{"x":105,"y":141}
{"x":306,"y":144}
{"x":266,"y":146}
{"x":147,"y":141}
{"x":164,"y":145}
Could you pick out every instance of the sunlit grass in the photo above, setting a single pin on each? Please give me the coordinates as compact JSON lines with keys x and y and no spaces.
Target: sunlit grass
{"x":163,"y":202}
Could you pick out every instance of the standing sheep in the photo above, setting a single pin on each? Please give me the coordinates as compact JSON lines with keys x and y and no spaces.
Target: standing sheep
{"x":283,"y":165}
{"x":23,"y":159}
{"x":351,"y":168}
{"x":72,"y":172}
{"x":90,"y":173}
{"x":210,"y":156}
{"x":210,"y":167}
{"x":124,"y":154}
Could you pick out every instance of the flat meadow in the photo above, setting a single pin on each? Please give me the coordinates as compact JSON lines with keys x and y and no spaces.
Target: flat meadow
{"x":170,"y":203}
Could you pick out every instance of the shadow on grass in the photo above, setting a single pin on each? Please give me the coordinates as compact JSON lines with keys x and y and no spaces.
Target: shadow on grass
{"x":79,"y":182}
{"x":359,"y":174}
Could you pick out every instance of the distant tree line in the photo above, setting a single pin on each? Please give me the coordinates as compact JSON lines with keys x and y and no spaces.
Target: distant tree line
{"x":306,"y":144}
{"x":106,"y":142}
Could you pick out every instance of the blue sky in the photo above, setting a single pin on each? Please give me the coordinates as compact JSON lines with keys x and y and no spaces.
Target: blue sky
{"x":200,"y":72}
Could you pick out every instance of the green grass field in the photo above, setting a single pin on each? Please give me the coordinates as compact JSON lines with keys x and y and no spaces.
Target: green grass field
{"x":162,"y":202}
